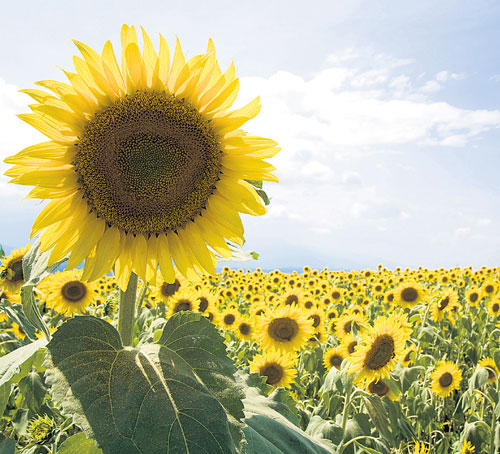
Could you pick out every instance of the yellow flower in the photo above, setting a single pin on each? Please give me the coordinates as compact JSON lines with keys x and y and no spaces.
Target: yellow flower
{"x":381,"y":347}
{"x":17,"y":330}
{"x":145,"y":166}
{"x":286,"y":329}
{"x":344,"y":324}
{"x":467,"y":448}
{"x":244,"y":328}
{"x":276,"y":366}
{"x":446,"y":378}
{"x":183,"y":301}
{"x":11,"y":271}
{"x":444,"y":303}
{"x":409,"y":294}
{"x":67,"y":293}
{"x":419,"y":448}
{"x":228,"y":318}
{"x":380,"y":388}
{"x":333,"y":357}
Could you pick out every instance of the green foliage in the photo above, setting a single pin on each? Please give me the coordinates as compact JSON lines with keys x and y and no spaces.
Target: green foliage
{"x":178,"y":394}
{"x":80,"y":444}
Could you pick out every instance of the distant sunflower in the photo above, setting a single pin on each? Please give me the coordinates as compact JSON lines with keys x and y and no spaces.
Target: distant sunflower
{"x":286,"y":329}
{"x":381,"y":347}
{"x":444,"y":303}
{"x":276,"y":366}
{"x":473,"y":296}
{"x":348,"y":345}
{"x":145,"y":165}
{"x":490,"y":365}
{"x":380,"y":388}
{"x":292,"y":296}
{"x":228,"y":318}
{"x":11,"y":270}
{"x":333,"y":357}
{"x":17,"y":330}
{"x":165,"y":290}
{"x":408,"y":355}
{"x":494,"y":306}
{"x":68,"y":294}
{"x":409,"y":294}
{"x":244,"y":329}
{"x":344,"y":324}
{"x":446,"y":378}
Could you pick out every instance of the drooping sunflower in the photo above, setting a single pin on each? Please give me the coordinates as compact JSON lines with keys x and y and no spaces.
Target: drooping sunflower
{"x":11,"y":270}
{"x":277,"y":366}
{"x":490,"y":365}
{"x":348,"y":319}
{"x":67,"y":293}
{"x":380,"y":349}
{"x":286,"y":329}
{"x":409,"y":294}
{"x":333,"y":357}
{"x":380,"y":388}
{"x":446,"y":378}
{"x":145,"y":166}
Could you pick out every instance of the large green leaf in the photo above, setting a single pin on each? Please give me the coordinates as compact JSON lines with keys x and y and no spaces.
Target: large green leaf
{"x":170,"y":397}
{"x":80,"y":444}
{"x":270,"y":432}
{"x":17,"y":365}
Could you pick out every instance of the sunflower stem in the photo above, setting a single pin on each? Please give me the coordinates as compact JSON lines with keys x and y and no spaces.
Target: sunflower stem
{"x":140,"y":299}
{"x":126,"y":315}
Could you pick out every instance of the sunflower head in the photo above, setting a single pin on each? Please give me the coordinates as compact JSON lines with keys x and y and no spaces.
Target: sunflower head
{"x":11,"y":270}
{"x":409,"y":294}
{"x":146,"y":165}
{"x":277,"y":367}
{"x":446,"y":378}
{"x":333,"y":357}
{"x":490,"y":365}
{"x":41,"y":428}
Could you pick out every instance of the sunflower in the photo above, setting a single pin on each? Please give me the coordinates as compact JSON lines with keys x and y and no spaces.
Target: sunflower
{"x":183,"y":301}
{"x":409,"y":294}
{"x":244,"y":328}
{"x":276,"y":366}
{"x":473,"y":296}
{"x":68,"y":294}
{"x":381,"y":347}
{"x":467,"y":448}
{"x":494,"y":306}
{"x":11,"y":297}
{"x":344,"y":324}
{"x":145,"y":165}
{"x":292,"y":296}
{"x":445,"y":379}
{"x":41,"y":428}
{"x":333,"y":357}
{"x":348,"y":345}
{"x":443,"y":304}
{"x":409,"y":354}
{"x":228,"y":318}
{"x":286,"y":329}
{"x":490,"y":365}
{"x":166,"y":290}
{"x":11,"y":271}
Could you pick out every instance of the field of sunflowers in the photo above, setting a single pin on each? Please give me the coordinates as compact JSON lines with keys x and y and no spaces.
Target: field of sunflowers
{"x":371,"y":361}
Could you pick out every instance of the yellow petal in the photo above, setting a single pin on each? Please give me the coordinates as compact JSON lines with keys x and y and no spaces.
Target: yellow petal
{"x":42,"y":126}
{"x":178,"y":63}
{"x":90,"y":232}
{"x":106,"y":253}
{"x":192,"y":236}
{"x":139,"y":255}
{"x":162,"y":65}
{"x":112,"y":70}
{"x":165,"y":259}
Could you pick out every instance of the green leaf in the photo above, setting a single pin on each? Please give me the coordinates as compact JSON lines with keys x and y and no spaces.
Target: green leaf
{"x":496,"y":358}
{"x":80,"y":444}
{"x":270,"y":432}
{"x":379,"y":416}
{"x":16,"y":365}
{"x":16,"y":314}
{"x":8,"y":446}
{"x":35,"y":268}
{"x":478,"y":378}
{"x":156,"y":399}
{"x":320,"y":429}
{"x":281,"y":401}
{"x":263,"y":195}
{"x":33,"y":391}
{"x":255,"y":183}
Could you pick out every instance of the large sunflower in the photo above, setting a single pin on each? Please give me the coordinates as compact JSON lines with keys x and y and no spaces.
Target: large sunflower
{"x":445,"y":379}
{"x":409,"y":294}
{"x":381,"y":347}
{"x":145,"y":165}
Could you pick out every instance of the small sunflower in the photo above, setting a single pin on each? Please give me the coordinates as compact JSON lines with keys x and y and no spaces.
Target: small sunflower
{"x":68,"y":294}
{"x":165,"y":290}
{"x":333,"y":357}
{"x":473,"y":296}
{"x":183,"y":301}
{"x":286,"y":329}
{"x":276,"y":366}
{"x":409,"y":294}
{"x":344,"y":324}
{"x":349,"y":344}
{"x":292,"y":296}
{"x":443,"y":304}
{"x":408,"y":355}
{"x":494,"y":306}
{"x":41,"y":428}
{"x":490,"y":365}
{"x":244,"y":329}
{"x":17,"y":330}
{"x":11,"y":270}
{"x":381,"y":347}
{"x":228,"y":318}
{"x":446,"y":378}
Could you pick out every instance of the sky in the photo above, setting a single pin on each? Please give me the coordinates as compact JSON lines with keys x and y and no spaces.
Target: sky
{"x":387,"y":112}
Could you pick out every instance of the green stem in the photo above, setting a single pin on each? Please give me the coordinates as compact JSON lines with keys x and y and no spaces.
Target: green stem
{"x":140,"y":299}
{"x":126,"y":316}
{"x":345,"y":413}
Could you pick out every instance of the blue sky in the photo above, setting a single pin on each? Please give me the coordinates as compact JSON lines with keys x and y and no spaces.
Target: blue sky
{"x":388,"y":114}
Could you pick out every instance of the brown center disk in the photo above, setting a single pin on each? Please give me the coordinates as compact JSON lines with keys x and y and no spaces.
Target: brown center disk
{"x":148,"y":163}
{"x":379,"y":388}
{"x":443,"y":303}
{"x":283,"y":329}
{"x":273,"y":372}
{"x":16,"y":266}
{"x":409,"y":295}
{"x":380,"y":353}
{"x":446,"y":380}
{"x":244,"y":329}
{"x":183,"y":305}
{"x":336,"y":361}
{"x":168,"y":290}
{"x":229,"y":319}
{"x":74,"y":291}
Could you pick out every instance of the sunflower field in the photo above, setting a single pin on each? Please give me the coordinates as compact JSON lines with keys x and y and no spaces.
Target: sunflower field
{"x":118,"y":335}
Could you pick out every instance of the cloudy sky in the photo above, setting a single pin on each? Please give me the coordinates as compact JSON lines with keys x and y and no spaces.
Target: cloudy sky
{"x":388,"y":114}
